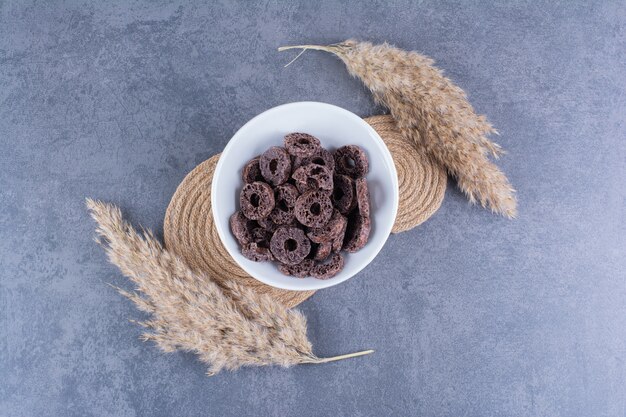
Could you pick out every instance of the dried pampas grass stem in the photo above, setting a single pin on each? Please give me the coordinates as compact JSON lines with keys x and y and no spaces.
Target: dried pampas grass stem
{"x":227,"y":327}
{"x":434,"y":113}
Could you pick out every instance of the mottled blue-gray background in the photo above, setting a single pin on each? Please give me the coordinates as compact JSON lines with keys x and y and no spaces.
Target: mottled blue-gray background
{"x":470,"y":314}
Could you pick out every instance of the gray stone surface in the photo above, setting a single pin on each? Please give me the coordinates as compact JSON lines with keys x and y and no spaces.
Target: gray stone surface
{"x":470,"y":314}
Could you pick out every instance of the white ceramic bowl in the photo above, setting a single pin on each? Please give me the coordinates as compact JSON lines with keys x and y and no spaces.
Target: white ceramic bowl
{"x":334,"y":127}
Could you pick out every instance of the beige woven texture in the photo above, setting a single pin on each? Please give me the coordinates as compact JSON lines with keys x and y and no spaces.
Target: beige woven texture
{"x":190,"y":233}
{"x":421,"y":181}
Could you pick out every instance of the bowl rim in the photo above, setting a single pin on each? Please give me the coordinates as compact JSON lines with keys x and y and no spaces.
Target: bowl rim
{"x":386,"y":155}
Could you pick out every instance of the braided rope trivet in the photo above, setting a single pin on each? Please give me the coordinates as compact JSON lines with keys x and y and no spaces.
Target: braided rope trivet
{"x":421,"y":181}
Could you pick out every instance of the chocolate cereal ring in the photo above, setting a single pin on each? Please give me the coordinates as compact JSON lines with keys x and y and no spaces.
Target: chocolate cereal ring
{"x":241,"y":227}
{"x":252,"y":171}
{"x":261,"y":236}
{"x":338,"y":241}
{"x":275,"y":165}
{"x":313,"y":209}
{"x":313,"y":177}
{"x":285,"y":197}
{"x":267,"y":224}
{"x":357,"y":233}
{"x":330,"y":230}
{"x":320,"y":157}
{"x":256,"y":253}
{"x":328,"y":269}
{"x":363,"y":197}
{"x":301,"y":144}
{"x":289,"y":245}
{"x":256,"y":200}
{"x":300,"y":270}
{"x":351,"y":160}
{"x":322,"y":250}
{"x":343,"y":194}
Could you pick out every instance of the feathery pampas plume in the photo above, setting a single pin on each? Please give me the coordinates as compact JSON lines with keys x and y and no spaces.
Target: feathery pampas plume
{"x":226,"y":327}
{"x":434,"y":113}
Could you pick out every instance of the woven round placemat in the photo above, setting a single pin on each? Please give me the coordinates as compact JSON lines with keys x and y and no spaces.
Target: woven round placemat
{"x":421,"y":181}
{"x":190,"y":233}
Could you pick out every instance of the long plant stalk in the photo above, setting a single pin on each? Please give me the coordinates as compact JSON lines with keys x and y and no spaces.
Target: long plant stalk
{"x":190,"y":312}
{"x":432,"y":112}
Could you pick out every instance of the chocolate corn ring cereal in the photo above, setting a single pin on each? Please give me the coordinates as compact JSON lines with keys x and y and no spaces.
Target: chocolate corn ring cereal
{"x":320,"y":157}
{"x":285,"y":197}
{"x":322,"y":250}
{"x":343,"y":194}
{"x":338,"y":241}
{"x":241,"y":227}
{"x":328,"y":269}
{"x":290,"y":245}
{"x":313,"y":177}
{"x":261,"y":236}
{"x":300,"y":270}
{"x":351,"y":160}
{"x":256,"y":253}
{"x":301,"y":144}
{"x":256,"y":200}
{"x":357,"y":233}
{"x":252,"y":171}
{"x":275,"y":164}
{"x":267,"y":224}
{"x":363,"y":197}
{"x":314,"y":208}
{"x":301,"y":205}
{"x":330,"y":230}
